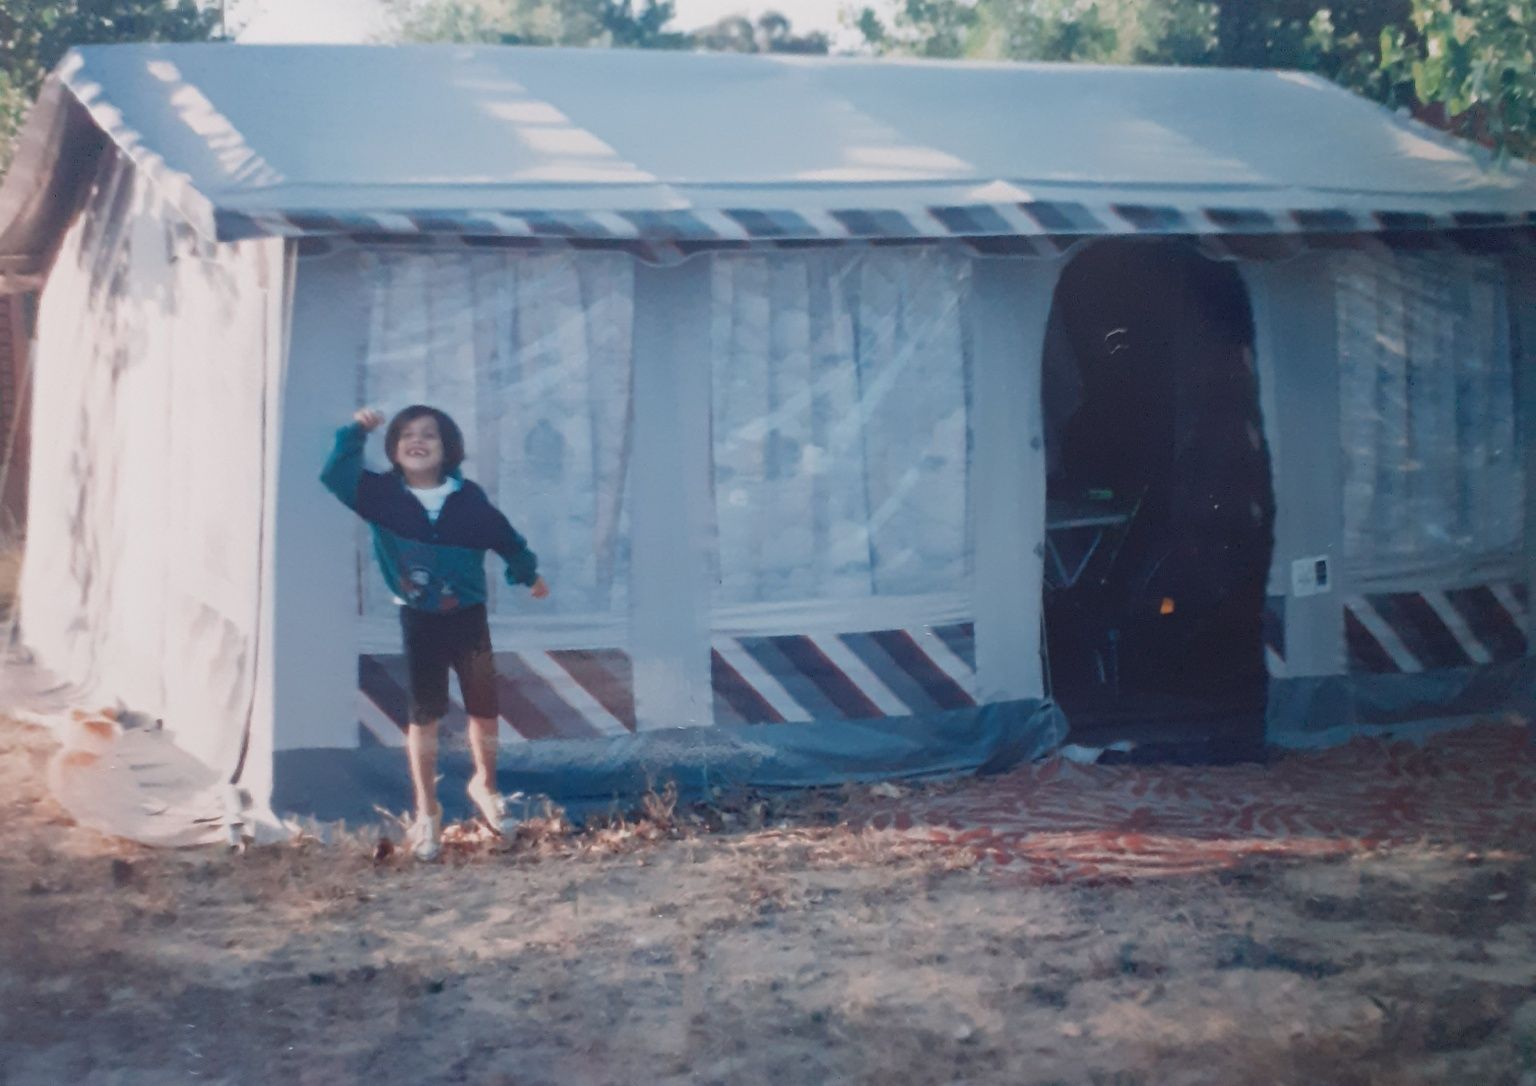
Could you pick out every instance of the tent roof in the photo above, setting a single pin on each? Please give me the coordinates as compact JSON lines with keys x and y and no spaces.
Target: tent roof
{"x":618,"y":143}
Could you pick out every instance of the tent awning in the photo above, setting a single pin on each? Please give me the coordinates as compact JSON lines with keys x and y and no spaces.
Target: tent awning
{"x":678,"y":147}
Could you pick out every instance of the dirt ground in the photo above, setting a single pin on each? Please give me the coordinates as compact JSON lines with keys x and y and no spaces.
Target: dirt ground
{"x":701,"y":950}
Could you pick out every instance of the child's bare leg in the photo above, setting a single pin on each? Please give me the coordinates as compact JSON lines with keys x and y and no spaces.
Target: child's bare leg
{"x":421,"y":752}
{"x":482,"y":744}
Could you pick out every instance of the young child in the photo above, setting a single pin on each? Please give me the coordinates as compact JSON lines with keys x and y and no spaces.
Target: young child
{"x":431,"y":529}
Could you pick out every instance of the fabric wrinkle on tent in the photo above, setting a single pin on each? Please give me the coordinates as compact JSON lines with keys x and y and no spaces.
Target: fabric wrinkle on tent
{"x":755,"y":351}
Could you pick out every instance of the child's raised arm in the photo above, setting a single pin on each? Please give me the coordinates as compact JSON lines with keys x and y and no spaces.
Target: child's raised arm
{"x":344,"y":467}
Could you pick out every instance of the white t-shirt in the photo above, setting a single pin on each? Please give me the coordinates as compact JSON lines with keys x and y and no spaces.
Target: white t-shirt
{"x":432,"y":498}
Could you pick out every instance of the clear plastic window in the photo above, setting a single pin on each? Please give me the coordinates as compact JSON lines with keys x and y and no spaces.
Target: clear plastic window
{"x":1432,"y":463}
{"x":531,"y":355}
{"x":840,"y":425}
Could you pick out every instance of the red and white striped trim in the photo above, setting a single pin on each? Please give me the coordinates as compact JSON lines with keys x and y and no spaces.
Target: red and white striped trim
{"x":848,"y":676}
{"x":561,"y":694}
{"x":1411,"y":632}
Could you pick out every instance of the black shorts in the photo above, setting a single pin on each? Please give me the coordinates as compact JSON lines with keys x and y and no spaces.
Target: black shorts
{"x":434,"y":642}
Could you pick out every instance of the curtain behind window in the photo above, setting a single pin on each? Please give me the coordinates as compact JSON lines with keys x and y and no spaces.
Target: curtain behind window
{"x":1433,"y":476}
{"x":840,"y":414}
{"x":531,"y":355}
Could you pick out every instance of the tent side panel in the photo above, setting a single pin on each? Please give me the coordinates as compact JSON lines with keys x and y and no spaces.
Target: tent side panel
{"x":315,"y":607}
{"x":1296,"y":352}
{"x":1424,"y":413}
{"x":147,"y":483}
{"x":256,"y":763}
{"x":1011,"y":306}
{"x":669,"y":594}
{"x":796,"y":530}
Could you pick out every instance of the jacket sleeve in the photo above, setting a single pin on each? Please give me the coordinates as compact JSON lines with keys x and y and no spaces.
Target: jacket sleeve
{"x":522,"y":563}
{"x":343,"y":469}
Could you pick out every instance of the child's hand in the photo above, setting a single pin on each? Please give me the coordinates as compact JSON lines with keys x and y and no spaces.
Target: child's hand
{"x":538,"y":590}
{"x":369,"y":419}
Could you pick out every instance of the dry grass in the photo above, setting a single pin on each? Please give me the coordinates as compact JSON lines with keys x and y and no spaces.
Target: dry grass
{"x":757,"y":938}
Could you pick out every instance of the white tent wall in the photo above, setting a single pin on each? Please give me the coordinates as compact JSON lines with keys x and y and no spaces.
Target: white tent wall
{"x":798,"y":460}
{"x":1420,"y":504}
{"x":1011,"y":306}
{"x":670,"y":594}
{"x":532,"y":355}
{"x":1296,"y":353}
{"x":900,"y":398}
{"x":143,"y":576}
{"x":315,"y":620}
{"x":791,"y":471}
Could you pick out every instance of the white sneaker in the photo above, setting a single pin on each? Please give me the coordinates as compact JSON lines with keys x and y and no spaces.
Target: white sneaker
{"x":426,"y":837}
{"x":492,"y":808}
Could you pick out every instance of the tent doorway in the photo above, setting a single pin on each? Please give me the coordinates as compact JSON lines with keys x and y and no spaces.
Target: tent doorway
{"x":1160,"y":504}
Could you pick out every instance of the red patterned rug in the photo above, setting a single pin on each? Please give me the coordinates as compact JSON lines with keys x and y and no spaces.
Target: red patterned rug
{"x":1055,"y":820}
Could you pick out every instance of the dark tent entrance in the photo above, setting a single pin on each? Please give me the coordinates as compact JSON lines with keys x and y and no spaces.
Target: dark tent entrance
{"x":1160,"y":503}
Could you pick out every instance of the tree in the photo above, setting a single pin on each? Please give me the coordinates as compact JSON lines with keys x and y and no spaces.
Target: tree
{"x":1476,"y":59}
{"x":541,"y":22}
{"x":1062,"y":30}
{"x":35,"y":34}
{"x":595,"y":23}
{"x":926,"y":28}
{"x":13,"y":108}
{"x":770,"y":34}
{"x":1101,"y":31}
{"x":1336,"y":39}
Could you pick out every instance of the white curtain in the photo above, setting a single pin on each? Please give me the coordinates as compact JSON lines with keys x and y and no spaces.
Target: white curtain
{"x":840,"y":416}
{"x":1433,"y":473}
{"x":531,"y":355}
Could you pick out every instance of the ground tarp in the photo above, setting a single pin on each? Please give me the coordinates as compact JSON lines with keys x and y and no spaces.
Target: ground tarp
{"x":584,"y":775}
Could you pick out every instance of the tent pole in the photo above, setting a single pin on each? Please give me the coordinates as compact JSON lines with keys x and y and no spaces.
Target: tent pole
{"x":671,"y":518}
{"x":1011,"y":304}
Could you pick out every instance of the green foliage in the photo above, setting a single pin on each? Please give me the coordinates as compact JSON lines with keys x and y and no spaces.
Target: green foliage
{"x":1176,"y":32}
{"x":594,"y":23}
{"x":1337,"y":39}
{"x":770,"y":34}
{"x":928,"y":28}
{"x":541,"y":22}
{"x":13,"y":107}
{"x":35,"y":35}
{"x":1475,"y":58}
{"x":1097,"y":31}
{"x":1063,"y":30}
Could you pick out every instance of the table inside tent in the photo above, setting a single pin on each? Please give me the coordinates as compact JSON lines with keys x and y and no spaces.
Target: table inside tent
{"x":1076,"y":531}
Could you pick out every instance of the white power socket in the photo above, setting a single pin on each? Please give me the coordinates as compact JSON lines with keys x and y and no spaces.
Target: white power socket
{"x":1311,"y":576}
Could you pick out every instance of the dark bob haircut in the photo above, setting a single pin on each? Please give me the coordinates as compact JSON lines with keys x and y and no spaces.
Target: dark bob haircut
{"x":447,"y":429}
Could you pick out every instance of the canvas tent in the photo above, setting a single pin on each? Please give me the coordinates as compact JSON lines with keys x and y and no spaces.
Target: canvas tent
{"x":782,"y":364}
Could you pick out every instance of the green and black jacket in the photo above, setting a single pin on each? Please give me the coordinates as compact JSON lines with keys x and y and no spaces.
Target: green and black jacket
{"x":428,"y":566}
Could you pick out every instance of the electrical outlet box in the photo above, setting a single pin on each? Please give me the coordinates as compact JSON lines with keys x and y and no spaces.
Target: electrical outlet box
{"x":1311,"y":576}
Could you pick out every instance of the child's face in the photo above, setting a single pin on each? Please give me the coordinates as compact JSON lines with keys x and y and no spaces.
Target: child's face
{"x":420,"y":449}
